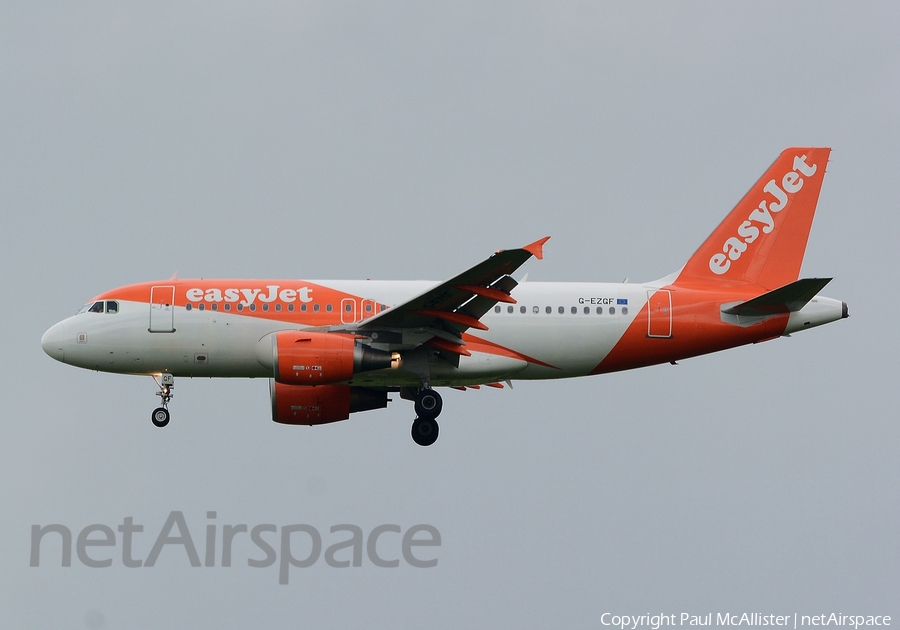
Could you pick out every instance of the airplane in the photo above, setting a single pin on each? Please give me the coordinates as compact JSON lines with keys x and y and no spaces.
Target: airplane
{"x":334,"y":348}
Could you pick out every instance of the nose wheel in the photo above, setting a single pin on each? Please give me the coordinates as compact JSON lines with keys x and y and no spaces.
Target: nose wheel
{"x":428,"y":405}
{"x":160,"y":416}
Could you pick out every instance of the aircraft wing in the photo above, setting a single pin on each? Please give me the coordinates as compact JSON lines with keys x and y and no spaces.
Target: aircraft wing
{"x":456,"y":305}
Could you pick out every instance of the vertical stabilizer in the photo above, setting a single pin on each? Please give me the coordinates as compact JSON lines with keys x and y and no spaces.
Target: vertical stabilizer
{"x":763,"y":239}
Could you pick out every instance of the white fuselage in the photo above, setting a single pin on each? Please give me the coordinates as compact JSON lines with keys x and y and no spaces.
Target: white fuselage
{"x":559,"y":329}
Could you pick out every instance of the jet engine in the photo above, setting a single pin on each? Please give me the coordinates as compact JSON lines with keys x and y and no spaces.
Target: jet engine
{"x":314,"y":358}
{"x":296,"y":404}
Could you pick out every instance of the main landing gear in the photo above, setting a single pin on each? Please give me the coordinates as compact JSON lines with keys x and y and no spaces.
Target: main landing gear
{"x":160,"y":415}
{"x":428,"y":405}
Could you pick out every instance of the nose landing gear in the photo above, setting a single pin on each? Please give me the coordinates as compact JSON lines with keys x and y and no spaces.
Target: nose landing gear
{"x":428,"y":405}
{"x":160,"y":415}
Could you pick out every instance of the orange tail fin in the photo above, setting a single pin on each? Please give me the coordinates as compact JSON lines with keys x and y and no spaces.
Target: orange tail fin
{"x":764,"y":238}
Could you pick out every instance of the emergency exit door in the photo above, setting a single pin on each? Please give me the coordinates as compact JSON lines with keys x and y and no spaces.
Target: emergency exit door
{"x":659,"y":322}
{"x":348,"y":311}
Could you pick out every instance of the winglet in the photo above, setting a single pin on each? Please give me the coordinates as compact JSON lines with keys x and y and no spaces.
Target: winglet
{"x":537,"y":248}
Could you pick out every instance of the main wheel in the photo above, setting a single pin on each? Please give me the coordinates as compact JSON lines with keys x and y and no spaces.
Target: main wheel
{"x":428,"y":403}
{"x":160,"y":417}
{"x":425,"y":431}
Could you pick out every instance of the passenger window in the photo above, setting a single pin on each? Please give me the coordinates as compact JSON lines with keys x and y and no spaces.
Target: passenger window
{"x":214,"y":306}
{"x":112,"y":306}
{"x":599,"y":310}
{"x":97,"y":307}
{"x":574,"y":310}
{"x":549,"y":309}
{"x":536,"y":309}
{"x":316,"y":308}
{"x":523,"y":309}
{"x":228,"y":307}
{"x":291,"y":307}
{"x":265,"y":307}
{"x":201,"y":306}
{"x":497,"y":309}
{"x":509,"y":309}
{"x":562,"y":309}
{"x":612,"y":310}
{"x":188,"y":306}
{"x":328,"y":307}
{"x":624,"y":310}
{"x":278,"y":307}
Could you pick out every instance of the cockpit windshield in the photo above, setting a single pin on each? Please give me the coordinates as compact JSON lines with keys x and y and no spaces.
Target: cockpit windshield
{"x":109,"y":306}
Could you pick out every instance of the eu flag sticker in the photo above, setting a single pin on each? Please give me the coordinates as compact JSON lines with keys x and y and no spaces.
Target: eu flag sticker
{"x":621,"y":301}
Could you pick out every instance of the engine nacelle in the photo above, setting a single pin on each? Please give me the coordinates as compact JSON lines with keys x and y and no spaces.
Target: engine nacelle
{"x":296,"y":404}
{"x":313,"y":358}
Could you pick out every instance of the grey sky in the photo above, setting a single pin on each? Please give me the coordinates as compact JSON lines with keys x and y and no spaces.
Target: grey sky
{"x":400,"y":141}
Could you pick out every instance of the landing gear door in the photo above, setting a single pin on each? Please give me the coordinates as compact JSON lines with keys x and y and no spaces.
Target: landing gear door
{"x":162,"y":309}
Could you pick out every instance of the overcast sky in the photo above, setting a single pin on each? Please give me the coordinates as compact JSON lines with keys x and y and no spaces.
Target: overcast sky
{"x":410,"y":141}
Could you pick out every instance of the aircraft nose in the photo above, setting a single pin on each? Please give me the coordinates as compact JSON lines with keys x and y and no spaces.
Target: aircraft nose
{"x":52,"y":342}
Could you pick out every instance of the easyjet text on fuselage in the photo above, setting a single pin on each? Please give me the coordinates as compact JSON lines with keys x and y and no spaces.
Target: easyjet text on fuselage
{"x":247,"y":297}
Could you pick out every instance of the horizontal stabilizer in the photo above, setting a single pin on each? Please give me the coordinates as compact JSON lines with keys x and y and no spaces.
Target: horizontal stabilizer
{"x":788,"y":299}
